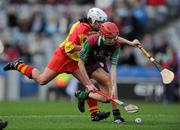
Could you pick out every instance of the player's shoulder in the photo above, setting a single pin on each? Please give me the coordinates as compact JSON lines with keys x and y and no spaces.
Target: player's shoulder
{"x":84,"y":27}
{"x":93,"y":39}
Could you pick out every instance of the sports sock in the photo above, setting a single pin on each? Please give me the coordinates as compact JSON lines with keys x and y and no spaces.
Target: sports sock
{"x":25,"y":69}
{"x":116,"y":114}
{"x":93,"y":106}
{"x":83,"y":95}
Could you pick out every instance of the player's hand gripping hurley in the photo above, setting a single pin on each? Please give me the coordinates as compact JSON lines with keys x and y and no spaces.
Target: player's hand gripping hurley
{"x":130,"y":108}
{"x":166,"y":74}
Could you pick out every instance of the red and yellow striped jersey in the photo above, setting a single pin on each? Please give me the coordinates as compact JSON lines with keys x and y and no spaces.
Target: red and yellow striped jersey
{"x":77,"y":36}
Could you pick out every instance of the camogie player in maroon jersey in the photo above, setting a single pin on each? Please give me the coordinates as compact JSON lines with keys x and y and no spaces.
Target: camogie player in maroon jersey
{"x":93,"y":57}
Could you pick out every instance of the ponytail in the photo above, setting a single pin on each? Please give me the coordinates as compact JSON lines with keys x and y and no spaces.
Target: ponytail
{"x":84,"y":20}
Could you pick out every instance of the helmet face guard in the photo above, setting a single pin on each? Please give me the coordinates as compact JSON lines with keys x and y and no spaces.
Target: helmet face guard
{"x":109,"y":40}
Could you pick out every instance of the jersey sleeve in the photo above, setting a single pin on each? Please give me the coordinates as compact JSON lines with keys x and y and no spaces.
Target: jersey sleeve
{"x":69,"y":46}
{"x":77,"y":37}
{"x":115,"y":54}
{"x":69,"y":42}
{"x":84,"y":53}
{"x":115,"y":57}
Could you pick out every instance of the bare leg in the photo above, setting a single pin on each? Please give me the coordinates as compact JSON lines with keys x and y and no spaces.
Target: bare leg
{"x":44,"y":77}
{"x":96,"y":115}
{"x":104,"y":81}
{"x":95,"y":96}
{"x":30,"y":72}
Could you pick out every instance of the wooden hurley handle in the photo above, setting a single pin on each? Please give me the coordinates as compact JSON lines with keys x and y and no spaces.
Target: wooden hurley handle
{"x":145,"y":53}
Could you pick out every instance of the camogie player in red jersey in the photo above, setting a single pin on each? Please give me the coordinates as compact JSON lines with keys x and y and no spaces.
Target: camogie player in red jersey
{"x":97,"y":50}
{"x":65,"y":58}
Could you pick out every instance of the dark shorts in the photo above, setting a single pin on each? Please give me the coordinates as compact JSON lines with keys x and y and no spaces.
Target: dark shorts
{"x":92,"y":66}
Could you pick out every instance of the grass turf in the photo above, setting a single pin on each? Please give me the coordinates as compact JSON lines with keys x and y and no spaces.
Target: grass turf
{"x":63,"y":115}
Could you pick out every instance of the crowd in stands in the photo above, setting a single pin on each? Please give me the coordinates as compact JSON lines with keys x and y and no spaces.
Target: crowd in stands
{"x":32,"y":29}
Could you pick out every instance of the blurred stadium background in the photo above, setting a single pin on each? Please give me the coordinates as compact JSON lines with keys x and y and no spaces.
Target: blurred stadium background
{"x":32,"y":29}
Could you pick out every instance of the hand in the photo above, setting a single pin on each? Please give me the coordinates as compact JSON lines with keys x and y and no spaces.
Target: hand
{"x":136,"y":43}
{"x":91,"y":87}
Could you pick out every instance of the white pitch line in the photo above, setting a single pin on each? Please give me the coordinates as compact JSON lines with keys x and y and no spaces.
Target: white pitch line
{"x":43,"y":116}
{"x":78,"y":116}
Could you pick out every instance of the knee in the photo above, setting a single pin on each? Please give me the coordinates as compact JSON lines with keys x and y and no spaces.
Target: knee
{"x":42,"y":82}
{"x":107,"y":81}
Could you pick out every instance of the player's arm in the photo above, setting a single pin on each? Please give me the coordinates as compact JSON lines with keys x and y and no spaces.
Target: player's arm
{"x":71,"y":45}
{"x":114,"y":62}
{"x":83,"y":55}
{"x":82,"y":35}
{"x":113,"y":80}
{"x":77,"y":48}
{"x":84,"y":72}
{"x":133,"y":43}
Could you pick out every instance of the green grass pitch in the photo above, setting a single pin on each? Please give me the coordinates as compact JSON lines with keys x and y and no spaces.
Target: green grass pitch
{"x":64,"y":115}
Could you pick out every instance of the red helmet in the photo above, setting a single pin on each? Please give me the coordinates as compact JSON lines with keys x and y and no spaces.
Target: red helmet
{"x":109,"y":29}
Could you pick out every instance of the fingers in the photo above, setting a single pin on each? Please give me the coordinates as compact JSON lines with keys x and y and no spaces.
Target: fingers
{"x":137,"y":43}
{"x":91,"y":88}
